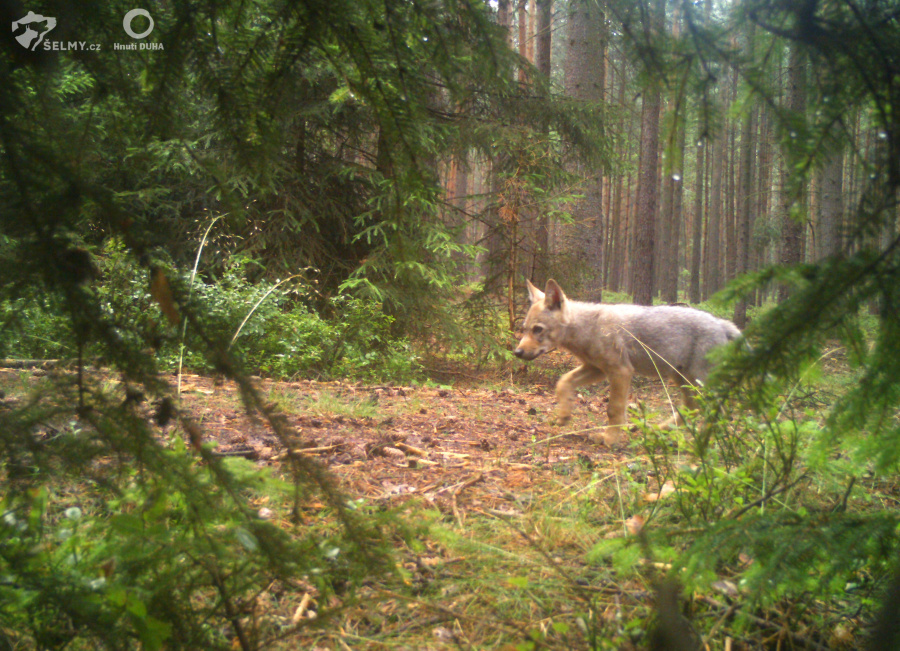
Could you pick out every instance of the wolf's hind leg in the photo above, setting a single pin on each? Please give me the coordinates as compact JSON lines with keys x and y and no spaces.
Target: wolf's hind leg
{"x":689,"y":397}
{"x":565,"y":390}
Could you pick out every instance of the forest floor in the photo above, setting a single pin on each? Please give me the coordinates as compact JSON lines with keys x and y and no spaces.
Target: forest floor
{"x":500,"y":563}
{"x":506,"y":510}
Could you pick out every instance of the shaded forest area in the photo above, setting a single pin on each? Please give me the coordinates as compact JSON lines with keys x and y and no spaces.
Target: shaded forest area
{"x":260,"y":265}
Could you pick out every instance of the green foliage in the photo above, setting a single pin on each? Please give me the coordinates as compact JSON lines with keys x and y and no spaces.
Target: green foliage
{"x":165,"y":551}
{"x":282,"y":338}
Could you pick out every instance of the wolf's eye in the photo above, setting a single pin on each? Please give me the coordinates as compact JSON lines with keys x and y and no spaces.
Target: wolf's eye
{"x":538,"y":329}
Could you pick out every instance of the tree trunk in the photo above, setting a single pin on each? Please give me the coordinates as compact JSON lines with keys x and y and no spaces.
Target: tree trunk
{"x":760,"y":247}
{"x":648,"y":179}
{"x":792,"y":194}
{"x":497,"y":241}
{"x":584,"y":77}
{"x":671,"y":260}
{"x":541,"y":271}
{"x":619,"y":248}
{"x":831,"y":206}
{"x":522,"y":19}
{"x":744,"y":213}
{"x":697,"y":228}
{"x":731,"y":193}
{"x":713,"y":276}
{"x":647,"y":196}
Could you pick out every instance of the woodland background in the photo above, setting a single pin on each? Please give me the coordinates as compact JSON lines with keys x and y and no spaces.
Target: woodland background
{"x":356,"y":190}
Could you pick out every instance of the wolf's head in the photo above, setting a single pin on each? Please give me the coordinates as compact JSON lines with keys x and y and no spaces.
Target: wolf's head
{"x":544,"y":322}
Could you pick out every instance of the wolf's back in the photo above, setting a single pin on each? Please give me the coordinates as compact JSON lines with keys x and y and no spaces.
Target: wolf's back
{"x":679,"y":337}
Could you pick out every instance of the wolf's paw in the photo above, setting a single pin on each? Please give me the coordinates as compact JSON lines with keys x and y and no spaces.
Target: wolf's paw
{"x":673,"y":423}
{"x":611,"y":437}
{"x":560,"y":419}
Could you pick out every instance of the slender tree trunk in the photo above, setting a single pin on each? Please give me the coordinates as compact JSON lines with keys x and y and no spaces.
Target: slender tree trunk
{"x":522,"y":19}
{"x":760,"y":246}
{"x":792,"y":194}
{"x":532,"y":26}
{"x":619,"y":250}
{"x":670,"y":260}
{"x":672,"y":256}
{"x":662,"y":247}
{"x":648,"y":181}
{"x":714,"y":223}
{"x":678,"y":209}
{"x":497,"y":239}
{"x":542,"y":38}
{"x":460,"y":190}
{"x":744,"y":214}
{"x":697,"y":228}
{"x":584,"y":77}
{"x":647,"y":197}
{"x":831,"y":206}
{"x":731,"y":193}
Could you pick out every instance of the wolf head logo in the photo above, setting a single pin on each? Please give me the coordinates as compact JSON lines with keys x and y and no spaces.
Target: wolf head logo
{"x":30,"y":38}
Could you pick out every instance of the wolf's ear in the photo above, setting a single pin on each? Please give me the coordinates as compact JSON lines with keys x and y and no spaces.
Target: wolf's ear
{"x":534,"y":294}
{"x":553,"y":295}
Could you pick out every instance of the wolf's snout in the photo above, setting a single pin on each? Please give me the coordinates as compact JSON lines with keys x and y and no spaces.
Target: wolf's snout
{"x":524,"y":353}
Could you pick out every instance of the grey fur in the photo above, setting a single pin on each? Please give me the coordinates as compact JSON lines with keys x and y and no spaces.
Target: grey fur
{"x":616,"y":341}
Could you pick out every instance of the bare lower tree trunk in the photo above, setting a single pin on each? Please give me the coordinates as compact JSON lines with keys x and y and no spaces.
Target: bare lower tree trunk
{"x":792,"y":195}
{"x":697,"y":228}
{"x":618,"y":257}
{"x":522,"y":19}
{"x":714,"y":222}
{"x":744,"y":214}
{"x":648,"y":179}
{"x":540,"y":271}
{"x":760,"y":246}
{"x":647,"y":197}
{"x":672,"y":256}
{"x":585,"y":79}
{"x":831,"y":206}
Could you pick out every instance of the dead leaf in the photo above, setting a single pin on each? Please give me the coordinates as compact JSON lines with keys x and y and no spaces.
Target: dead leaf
{"x":162,"y":294}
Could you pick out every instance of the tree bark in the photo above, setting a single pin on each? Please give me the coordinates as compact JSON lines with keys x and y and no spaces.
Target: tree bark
{"x":542,"y":37}
{"x":714,"y":222}
{"x":831,"y":206}
{"x":697,"y":227}
{"x":647,"y":197}
{"x":648,"y":180}
{"x":792,"y":194}
{"x":744,"y":213}
{"x":585,"y":78}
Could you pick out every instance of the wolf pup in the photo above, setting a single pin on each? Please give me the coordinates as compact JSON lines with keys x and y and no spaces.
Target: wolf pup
{"x":617,"y":341}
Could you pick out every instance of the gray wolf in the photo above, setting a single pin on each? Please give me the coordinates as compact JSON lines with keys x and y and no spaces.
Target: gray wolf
{"x":616,"y":341}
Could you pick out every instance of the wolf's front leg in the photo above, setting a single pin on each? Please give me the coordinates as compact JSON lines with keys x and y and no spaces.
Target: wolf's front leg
{"x":619,"y":387}
{"x":565,"y":390}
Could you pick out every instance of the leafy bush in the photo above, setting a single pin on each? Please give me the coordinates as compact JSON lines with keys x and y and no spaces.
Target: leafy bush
{"x":165,"y":551}
{"x":274,"y":331}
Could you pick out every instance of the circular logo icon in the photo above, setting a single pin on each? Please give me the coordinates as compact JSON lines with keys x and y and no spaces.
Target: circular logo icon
{"x":131,"y":15}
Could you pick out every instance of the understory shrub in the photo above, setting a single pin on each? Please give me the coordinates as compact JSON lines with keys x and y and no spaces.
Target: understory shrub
{"x":271,"y":328}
